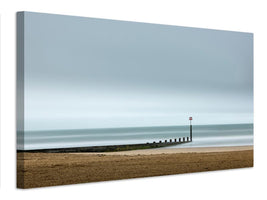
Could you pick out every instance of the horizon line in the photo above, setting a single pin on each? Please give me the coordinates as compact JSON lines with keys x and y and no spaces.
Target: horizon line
{"x":132,"y":127}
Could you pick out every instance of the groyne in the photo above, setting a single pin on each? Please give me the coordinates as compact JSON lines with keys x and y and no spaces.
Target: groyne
{"x":113,"y":148}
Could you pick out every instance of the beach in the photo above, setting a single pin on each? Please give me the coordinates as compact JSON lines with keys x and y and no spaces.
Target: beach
{"x":51,"y":169}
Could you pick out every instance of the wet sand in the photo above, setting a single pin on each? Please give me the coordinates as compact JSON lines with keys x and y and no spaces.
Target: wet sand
{"x":50,"y":169}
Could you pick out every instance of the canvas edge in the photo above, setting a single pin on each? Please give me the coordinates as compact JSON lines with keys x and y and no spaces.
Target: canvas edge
{"x":20,"y":95}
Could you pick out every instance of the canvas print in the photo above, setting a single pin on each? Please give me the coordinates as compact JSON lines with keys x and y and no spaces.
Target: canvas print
{"x":101,"y":100}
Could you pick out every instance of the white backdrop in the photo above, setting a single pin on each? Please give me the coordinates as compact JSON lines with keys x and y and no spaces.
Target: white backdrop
{"x":238,"y":15}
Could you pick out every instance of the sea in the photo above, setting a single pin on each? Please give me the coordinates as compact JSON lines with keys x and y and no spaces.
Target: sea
{"x":203,"y":136}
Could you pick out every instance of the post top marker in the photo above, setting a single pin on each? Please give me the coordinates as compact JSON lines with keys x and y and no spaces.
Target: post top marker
{"x":190,"y":118}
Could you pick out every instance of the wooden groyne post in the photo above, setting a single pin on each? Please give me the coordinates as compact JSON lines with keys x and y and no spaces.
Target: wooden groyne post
{"x":190,"y":119}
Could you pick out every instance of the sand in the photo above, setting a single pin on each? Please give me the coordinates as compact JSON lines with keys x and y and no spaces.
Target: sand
{"x":51,"y":169}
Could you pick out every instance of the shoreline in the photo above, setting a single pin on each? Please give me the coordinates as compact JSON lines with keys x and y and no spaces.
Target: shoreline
{"x":174,"y":150}
{"x":51,"y":169}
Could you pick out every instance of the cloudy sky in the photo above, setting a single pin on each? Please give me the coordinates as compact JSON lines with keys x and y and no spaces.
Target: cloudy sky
{"x":94,"y":73}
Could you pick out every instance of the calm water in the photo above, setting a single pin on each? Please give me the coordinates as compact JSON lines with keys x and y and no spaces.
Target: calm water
{"x":203,"y":136}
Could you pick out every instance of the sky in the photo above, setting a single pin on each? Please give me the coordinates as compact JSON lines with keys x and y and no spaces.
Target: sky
{"x":84,"y":73}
